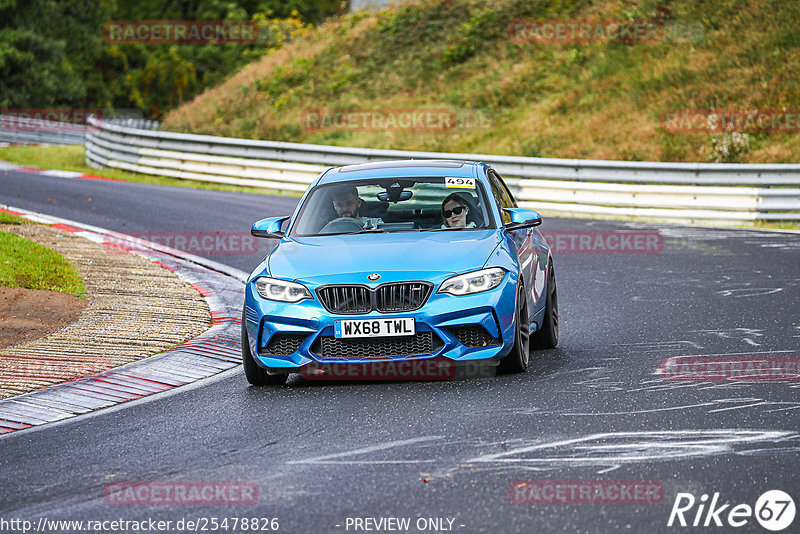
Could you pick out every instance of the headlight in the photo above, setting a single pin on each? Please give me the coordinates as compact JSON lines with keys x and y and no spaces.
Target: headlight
{"x":474,"y":282}
{"x":281,"y":290}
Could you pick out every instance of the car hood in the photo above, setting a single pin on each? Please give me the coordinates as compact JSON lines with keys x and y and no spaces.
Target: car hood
{"x":446,"y":251}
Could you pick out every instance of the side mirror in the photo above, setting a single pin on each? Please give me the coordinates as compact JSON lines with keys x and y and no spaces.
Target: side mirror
{"x":522,"y":218}
{"x":269,"y":227}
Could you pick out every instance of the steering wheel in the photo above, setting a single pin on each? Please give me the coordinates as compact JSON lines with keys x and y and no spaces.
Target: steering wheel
{"x":342,"y":224}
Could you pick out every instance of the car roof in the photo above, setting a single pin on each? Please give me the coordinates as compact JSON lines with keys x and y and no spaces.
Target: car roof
{"x":402,"y":168}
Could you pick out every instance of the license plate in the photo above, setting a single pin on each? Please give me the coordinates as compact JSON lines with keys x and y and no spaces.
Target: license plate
{"x":399,"y":326}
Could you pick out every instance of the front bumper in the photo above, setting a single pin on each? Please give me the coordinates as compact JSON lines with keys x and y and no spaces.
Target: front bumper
{"x":285,"y":337}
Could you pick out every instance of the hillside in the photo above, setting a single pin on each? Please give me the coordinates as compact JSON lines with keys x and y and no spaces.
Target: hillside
{"x":506,"y":87}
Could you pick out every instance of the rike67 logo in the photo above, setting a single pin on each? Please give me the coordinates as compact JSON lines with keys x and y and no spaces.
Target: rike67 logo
{"x":774,"y":510}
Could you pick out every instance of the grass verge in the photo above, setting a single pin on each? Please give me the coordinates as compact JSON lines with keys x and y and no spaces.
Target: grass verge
{"x":71,"y":158}
{"x":778,"y":225}
{"x":508,"y":92}
{"x":26,"y":264}
{"x":8,"y":218}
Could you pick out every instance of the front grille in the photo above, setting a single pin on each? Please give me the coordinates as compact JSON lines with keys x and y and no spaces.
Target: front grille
{"x":403,"y":296}
{"x":285,"y":344}
{"x":377,"y":347}
{"x":392,"y":297}
{"x":346,"y":299}
{"x":473,"y":336}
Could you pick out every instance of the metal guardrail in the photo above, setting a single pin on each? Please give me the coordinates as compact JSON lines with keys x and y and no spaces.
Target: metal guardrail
{"x":18,"y":130}
{"x":724,"y":193}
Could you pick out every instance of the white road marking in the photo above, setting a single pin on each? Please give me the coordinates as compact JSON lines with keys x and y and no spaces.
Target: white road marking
{"x":61,"y":174}
{"x":365,"y":450}
{"x":617,"y":448}
{"x":636,"y":412}
{"x":732,"y":354}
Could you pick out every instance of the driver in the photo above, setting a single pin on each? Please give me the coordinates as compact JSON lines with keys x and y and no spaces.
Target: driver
{"x":347,"y":203}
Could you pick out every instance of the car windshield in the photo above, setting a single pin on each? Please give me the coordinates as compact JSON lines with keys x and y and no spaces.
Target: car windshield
{"x":394,"y":205}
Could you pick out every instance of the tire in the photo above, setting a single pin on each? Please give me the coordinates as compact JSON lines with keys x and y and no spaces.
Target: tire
{"x":255,"y":374}
{"x":517,"y":360}
{"x":547,"y":336}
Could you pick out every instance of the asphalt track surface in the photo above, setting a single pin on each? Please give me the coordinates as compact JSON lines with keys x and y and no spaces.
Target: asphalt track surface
{"x":594,"y":409}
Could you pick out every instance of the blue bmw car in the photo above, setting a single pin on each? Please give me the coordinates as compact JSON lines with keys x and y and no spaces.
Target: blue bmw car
{"x":400,"y":261}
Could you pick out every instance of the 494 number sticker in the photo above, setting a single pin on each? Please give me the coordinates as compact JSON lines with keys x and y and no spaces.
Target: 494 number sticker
{"x":453,"y":181}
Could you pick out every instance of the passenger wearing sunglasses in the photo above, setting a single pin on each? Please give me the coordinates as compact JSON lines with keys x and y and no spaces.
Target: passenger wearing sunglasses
{"x":455,"y":209}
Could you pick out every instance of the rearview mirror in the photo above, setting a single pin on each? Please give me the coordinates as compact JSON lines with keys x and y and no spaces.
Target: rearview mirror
{"x":269,"y":227}
{"x":522,"y":218}
{"x":395,"y":196}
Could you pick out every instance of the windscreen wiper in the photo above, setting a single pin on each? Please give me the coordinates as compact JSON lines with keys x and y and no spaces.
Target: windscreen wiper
{"x":367,"y":231}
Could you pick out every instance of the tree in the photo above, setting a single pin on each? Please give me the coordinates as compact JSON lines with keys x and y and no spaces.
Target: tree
{"x":35,"y":70}
{"x":52,"y":52}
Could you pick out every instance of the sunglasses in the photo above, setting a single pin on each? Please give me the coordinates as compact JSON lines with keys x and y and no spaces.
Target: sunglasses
{"x":457,"y":210}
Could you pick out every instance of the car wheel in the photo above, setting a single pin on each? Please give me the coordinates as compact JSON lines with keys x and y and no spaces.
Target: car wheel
{"x":517,"y":359}
{"x":547,"y":336}
{"x":254,"y":373}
